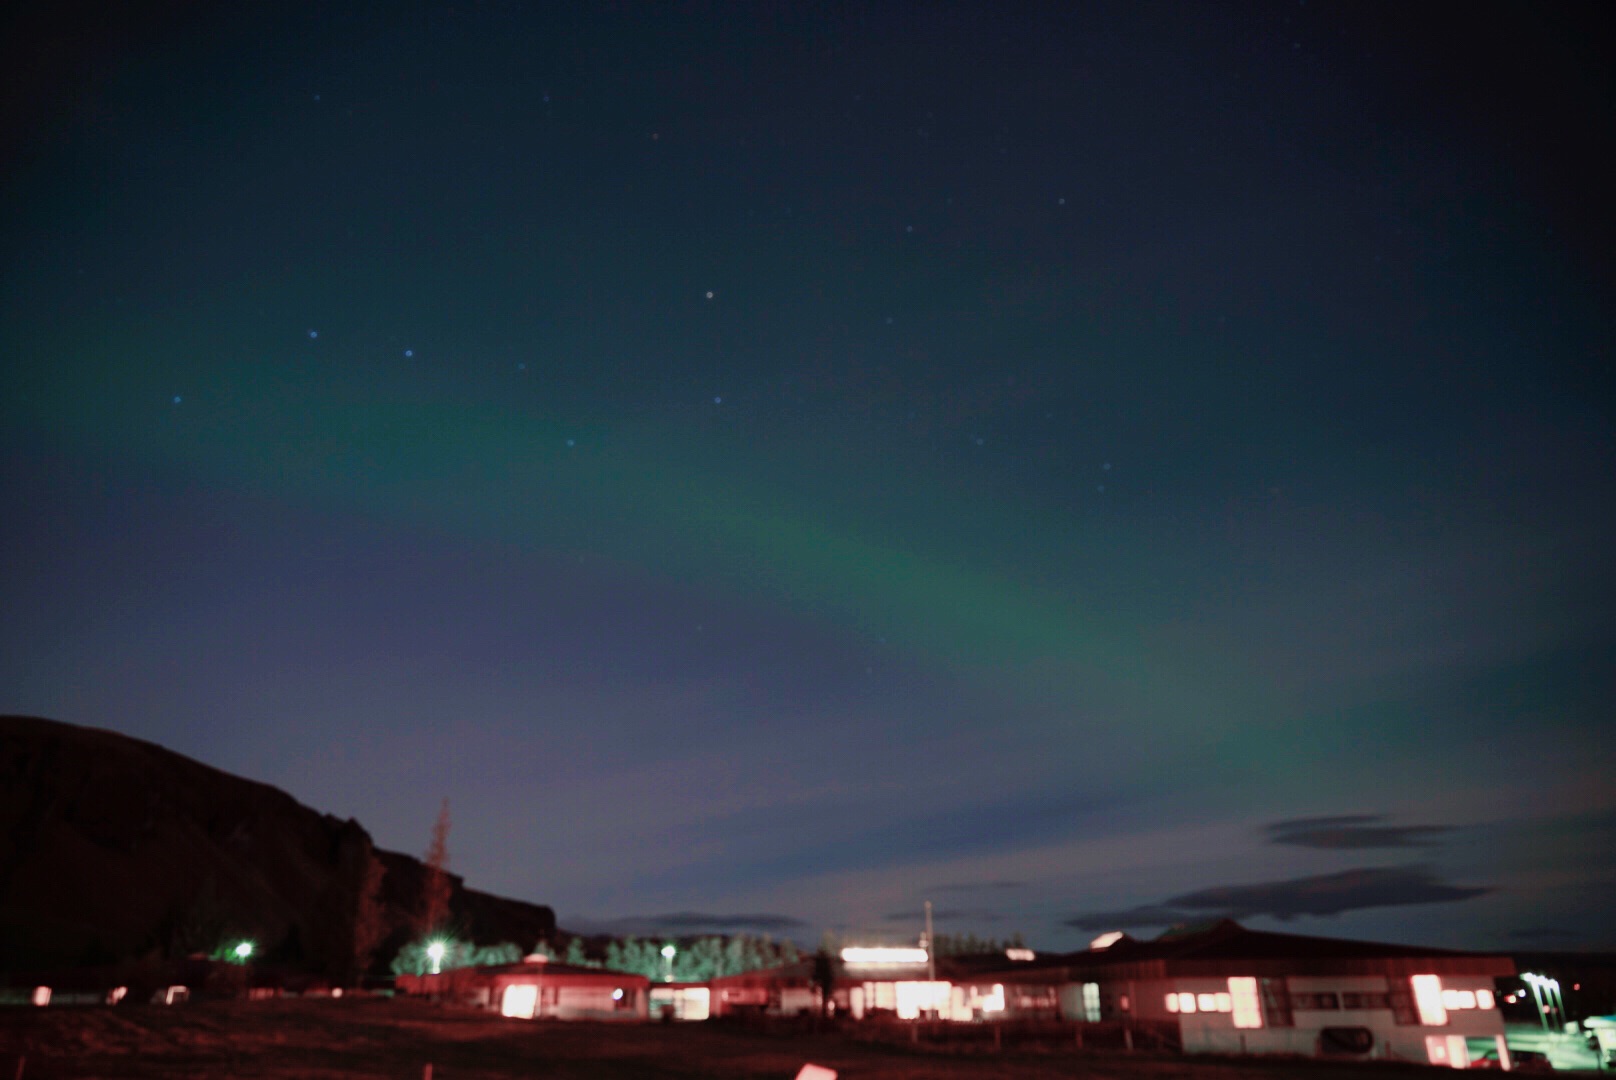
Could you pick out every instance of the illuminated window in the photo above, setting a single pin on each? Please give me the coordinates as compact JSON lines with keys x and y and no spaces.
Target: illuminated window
{"x":1449,"y":1050}
{"x":914,"y":998}
{"x":1206,"y":1002}
{"x":1091,"y":1002}
{"x":520,"y":1000}
{"x":1172,"y":1002}
{"x":1484,"y":999}
{"x":1225,"y":1003}
{"x":1247,"y":1005}
{"x":1105,"y":941}
{"x":1428,"y":1000}
{"x":994,"y":1001}
{"x":1458,"y":999}
{"x":1186,"y":1003}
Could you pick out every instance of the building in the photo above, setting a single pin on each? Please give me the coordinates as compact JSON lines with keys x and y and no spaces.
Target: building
{"x":874,"y":982}
{"x":538,"y":989}
{"x":1233,"y":990}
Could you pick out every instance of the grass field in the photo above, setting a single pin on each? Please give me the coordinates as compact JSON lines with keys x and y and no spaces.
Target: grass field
{"x":397,"y":1039}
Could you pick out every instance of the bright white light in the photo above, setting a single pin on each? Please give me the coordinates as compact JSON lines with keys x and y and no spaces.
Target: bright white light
{"x":913,"y":998}
{"x":617,"y":994}
{"x":1224,"y":1002}
{"x":1172,"y":1003}
{"x":1020,"y":954}
{"x":855,"y":954}
{"x":1428,"y":1000}
{"x":1247,"y":1003}
{"x":994,"y":1002}
{"x":1484,"y":999}
{"x":1105,"y":941}
{"x":244,"y":950}
{"x":668,"y":952}
{"x":42,"y":996}
{"x":435,"y":953}
{"x":1186,"y":1003}
{"x":521,"y":999}
{"x":1207,"y":1002}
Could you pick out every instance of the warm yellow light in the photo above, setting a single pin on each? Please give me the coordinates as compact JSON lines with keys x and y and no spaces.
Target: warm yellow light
{"x":1105,"y":941}
{"x":855,"y":954}
{"x":1172,"y":1003}
{"x":1186,"y":1003}
{"x":520,"y":1000}
{"x":913,"y":998}
{"x":994,"y":1002}
{"x":1428,"y":1000}
{"x":1020,"y":954}
{"x":1484,"y":999}
{"x":1246,"y":1002}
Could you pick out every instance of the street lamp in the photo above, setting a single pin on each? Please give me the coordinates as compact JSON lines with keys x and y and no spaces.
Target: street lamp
{"x":668,"y":952}
{"x":435,"y":953}
{"x":242,"y":951}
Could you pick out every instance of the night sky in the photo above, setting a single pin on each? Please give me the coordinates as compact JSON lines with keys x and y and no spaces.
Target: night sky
{"x":1093,"y":466}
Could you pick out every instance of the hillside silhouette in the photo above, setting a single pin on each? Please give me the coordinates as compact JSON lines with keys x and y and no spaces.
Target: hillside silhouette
{"x":115,"y":850}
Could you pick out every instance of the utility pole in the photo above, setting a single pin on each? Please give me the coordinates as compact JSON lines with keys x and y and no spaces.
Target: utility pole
{"x":931,"y":948}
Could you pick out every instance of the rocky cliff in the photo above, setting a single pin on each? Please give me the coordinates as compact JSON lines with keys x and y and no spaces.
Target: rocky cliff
{"x":114,"y":849}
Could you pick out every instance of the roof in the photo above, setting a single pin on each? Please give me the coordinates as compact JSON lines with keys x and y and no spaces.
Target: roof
{"x":1227,"y":948}
{"x":572,"y":971}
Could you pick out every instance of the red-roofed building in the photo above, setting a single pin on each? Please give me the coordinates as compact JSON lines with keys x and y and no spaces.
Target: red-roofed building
{"x":1233,"y":990}
{"x":537,"y":989}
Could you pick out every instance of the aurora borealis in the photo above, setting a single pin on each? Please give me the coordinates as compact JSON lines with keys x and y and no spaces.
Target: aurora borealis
{"x":1076,"y":465}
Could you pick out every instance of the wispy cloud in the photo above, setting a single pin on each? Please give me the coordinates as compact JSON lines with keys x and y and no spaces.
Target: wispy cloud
{"x":1325,"y":894}
{"x":1352,"y":832}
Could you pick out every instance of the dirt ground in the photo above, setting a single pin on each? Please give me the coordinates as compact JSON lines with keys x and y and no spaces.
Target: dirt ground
{"x":397,"y":1039}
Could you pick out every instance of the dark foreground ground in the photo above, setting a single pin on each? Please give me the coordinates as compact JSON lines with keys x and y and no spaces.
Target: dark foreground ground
{"x":397,"y":1039}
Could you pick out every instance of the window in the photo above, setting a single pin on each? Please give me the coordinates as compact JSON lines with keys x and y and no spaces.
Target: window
{"x":1246,"y":1004}
{"x":1091,"y":1002}
{"x":1276,"y":1003}
{"x":1186,"y":1003}
{"x":1315,"y":1001}
{"x":520,"y":1000}
{"x":1366,"y":1001}
{"x":1428,"y":1000}
{"x":1458,"y":999}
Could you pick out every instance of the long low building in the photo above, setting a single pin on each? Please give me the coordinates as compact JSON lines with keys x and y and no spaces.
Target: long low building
{"x":1240,"y":991}
{"x":539,"y":989}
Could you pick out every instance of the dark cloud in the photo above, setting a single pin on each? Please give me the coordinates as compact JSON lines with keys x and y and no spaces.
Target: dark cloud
{"x":979,"y":914}
{"x":1545,"y":933}
{"x":1325,"y":894}
{"x":1352,"y":831}
{"x":691,"y":922}
{"x":973,"y":886}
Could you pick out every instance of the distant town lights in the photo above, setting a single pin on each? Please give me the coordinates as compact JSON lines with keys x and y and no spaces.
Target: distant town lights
{"x":856,"y":954}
